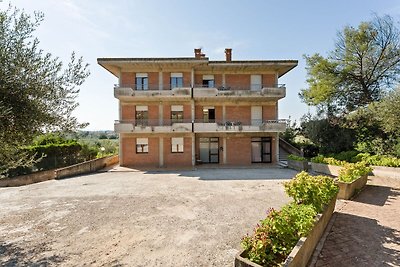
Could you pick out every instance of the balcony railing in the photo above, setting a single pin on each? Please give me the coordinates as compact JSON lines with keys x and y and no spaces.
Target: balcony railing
{"x":200,"y":90}
{"x":198,"y":125}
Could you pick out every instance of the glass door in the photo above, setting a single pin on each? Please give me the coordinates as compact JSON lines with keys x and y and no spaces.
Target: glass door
{"x":261,"y":150}
{"x":209,"y":150}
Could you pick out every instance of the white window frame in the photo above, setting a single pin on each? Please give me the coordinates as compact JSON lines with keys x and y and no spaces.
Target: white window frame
{"x":177,"y":144}
{"x":142,"y":145}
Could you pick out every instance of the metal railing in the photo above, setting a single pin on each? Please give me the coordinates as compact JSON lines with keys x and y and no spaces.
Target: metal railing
{"x":219,"y":87}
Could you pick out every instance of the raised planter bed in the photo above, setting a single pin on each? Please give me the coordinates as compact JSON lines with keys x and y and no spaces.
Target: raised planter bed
{"x":304,"y":248}
{"x":347,"y":190}
{"x":298,"y":165}
{"x":388,"y":172}
{"x":325,"y":168}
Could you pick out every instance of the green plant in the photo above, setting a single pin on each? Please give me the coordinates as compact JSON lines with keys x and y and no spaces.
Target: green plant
{"x":325,"y":160}
{"x":311,"y":190}
{"x":278,"y":233}
{"x":298,"y":158}
{"x":379,"y":160}
{"x":352,"y":171}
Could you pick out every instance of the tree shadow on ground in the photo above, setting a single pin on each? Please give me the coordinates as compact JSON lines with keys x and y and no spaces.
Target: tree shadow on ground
{"x":14,"y":255}
{"x":377,"y":195}
{"x":360,"y":241}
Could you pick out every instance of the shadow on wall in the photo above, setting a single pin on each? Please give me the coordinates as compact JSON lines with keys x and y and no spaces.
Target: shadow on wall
{"x":233,"y":174}
{"x":360,"y":241}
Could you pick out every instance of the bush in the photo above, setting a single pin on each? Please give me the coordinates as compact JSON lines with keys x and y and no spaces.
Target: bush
{"x":311,"y":190}
{"x":325,"y":160}
{"x":352,"y":171}
{"x":348,"y":156}
{"x":379,"y":160}
{"x":298,"y":158}
{"x":278,"y":233}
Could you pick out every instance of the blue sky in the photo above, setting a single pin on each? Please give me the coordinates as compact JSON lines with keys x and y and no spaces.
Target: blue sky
{"x":148,"y":28}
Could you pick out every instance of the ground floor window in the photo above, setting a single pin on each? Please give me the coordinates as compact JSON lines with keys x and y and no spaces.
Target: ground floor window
{"x":142,"y":145}
{"x":261,"y":150}
{"x":177,"y":145}
{"x":209,"y":150}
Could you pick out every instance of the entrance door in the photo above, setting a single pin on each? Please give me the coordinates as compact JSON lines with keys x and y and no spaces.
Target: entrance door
{"x":261,"y":150}
{"x":209,"y":114}
{"x":209,"y":150}
{"x":256,"y":115}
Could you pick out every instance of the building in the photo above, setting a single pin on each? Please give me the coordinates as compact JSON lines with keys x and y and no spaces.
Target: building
{"x":176,"y":112}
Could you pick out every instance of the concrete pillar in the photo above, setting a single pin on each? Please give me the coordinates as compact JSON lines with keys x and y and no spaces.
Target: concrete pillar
{"x":120,"y":152}
{"x":161,"y":151}
{"x":160,"y":114}
{"x":277,"y":147}
{"x":193,"y":150}
{"x":224,"y":150}
{"x":223,"y":80}
{"x":192,"y":78}
{"x":223,"y":113}
{"x":160,"y":81}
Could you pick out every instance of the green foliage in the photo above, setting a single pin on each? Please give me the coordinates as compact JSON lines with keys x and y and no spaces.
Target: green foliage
{"x":298,"y":158}
{"x":379,"y":160}
{"x":278,"y":233}
{"x":363,"y":66}
{"x":37,"y":94}
{"x":352,"y":171}
{"x":327,"y":160}
{"x":311,"y":190}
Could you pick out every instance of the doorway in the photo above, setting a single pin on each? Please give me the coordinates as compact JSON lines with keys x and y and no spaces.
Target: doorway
{"x":261,"y":148}
{"x":208,"y":114}
{"x":209,"y":150}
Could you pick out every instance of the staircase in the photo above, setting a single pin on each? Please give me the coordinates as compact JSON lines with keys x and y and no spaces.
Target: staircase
{"x":285,"y":149}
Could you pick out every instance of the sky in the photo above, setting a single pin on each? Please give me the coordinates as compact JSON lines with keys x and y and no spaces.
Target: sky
{"x":254,"y":29}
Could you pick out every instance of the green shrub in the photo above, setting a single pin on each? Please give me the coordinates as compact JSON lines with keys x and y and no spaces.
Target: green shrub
{"x":352,"y":171}
{"x":278,"y":233}
{"x":298,"y":158}
{"x":348,"y":156}
{"x":311,"y":190}
{"x":327,"y":160}
{"x":379,"y":160}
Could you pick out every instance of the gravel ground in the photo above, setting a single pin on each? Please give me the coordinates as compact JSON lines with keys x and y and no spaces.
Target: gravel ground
{"x":117,"y":218}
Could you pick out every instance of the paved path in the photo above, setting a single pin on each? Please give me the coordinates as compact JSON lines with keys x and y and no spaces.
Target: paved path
{"x":366,"y":230}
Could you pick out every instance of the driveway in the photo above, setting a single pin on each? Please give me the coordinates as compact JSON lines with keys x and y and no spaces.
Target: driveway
{"x":188,"y":218}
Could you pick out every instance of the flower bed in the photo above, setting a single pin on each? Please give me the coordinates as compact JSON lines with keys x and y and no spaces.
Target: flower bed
{"x":325,"y":168}
{"x":347,"y":190}
{"x":352,"y":178}
{"x":289,"y":236}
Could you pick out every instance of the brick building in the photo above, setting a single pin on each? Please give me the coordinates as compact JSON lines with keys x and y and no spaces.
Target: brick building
{"x":176,"y":112}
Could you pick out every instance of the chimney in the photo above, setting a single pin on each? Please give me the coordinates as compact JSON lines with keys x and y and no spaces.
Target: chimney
{"x":228,"y":54}
{"x":198,"y":54}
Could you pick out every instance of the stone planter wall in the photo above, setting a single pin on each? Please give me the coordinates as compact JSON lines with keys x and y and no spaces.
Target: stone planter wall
{"x":389,"y":172}
{"x":304,"y":248}
{"x":347,"y":190}
{"x":326,"y":168}
{"x":77,"y":169}
{"x":298,"y":165}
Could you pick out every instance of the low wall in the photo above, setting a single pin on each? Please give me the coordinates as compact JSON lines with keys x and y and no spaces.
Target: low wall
{"x":77,"y":169}
{"x":389,"y":172}
{"x":347,"y":190}
{"x":298,"y":165}
{"x":326,"y":168}
{"x":304,"y":248}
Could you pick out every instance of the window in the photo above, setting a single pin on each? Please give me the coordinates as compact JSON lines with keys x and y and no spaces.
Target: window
{"x":208,"y":81}
{"x":177,"y":145}
{"x":142,"y":145}
{"x":208,"y":114}
{"x":141,"y":115}
{"x":255,"y":82}
{"x":176,"y":113}
{"x":142,"y":81}
{"x":176,"y":80}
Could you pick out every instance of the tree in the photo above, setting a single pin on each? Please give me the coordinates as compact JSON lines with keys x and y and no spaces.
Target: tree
{"x":364,"y":65}
{"x":37,"y":94}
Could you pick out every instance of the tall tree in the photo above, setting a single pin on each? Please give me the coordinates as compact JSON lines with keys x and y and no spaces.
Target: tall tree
{"x":37,"y":94}
{"x":364,"y":65}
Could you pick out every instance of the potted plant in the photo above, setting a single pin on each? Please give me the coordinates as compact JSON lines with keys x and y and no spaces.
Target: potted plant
{"x":352,"y":178}
{"x":330,"y":166}
{"x":297,"y":163}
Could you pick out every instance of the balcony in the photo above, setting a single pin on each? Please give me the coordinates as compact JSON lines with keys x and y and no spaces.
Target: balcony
{"x":252,"y":92}
{"x":237,"y":126}
{"x":152,"y":126}
{"x":126,"y":92}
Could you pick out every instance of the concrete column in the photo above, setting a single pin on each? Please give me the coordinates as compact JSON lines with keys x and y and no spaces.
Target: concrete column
{"x":193,"y":150}
{"x":192,"y":110}
{"x":160,"y":114}
{"x":223,"y":80}
{"x":223,"y":113}
{"x":192,"y":78}
{"x":161,"y":151}
{"x":160,"y":81}
{"x":277,"y":147}
{"x":224,"y":150}
{"x":121,"y":151}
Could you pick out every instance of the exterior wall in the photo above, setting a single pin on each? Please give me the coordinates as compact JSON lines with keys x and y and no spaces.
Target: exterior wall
{"x":269,"y":112}
{"x":238,"y":151}
{"x":153,"y":115}
{"x":166,"y":80}
{"x":128,"y":112}
{"x":153,"y":80}
{"x":268,"y":79}
{"x":218,"y":80}
{"x":128,"y":78}
{"x":131,"y":158}
{"x":238,"y":81}
{"x":238,"y":113}
{"x":178,"y":159}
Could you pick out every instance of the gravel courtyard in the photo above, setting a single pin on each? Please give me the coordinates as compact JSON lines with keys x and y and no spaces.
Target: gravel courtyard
{"x":186,"y":218}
